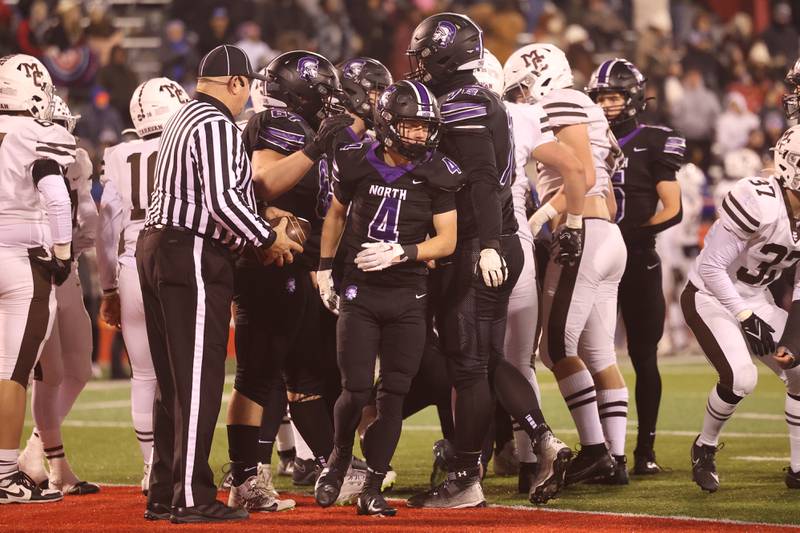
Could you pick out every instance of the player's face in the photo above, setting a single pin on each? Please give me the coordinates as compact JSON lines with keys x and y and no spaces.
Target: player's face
{"x":612,"y":104}
{"x":415,"y":131}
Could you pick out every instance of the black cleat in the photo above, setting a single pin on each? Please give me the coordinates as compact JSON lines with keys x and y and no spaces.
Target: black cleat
{"x":215,"y":511}
{"x":453,"y":493}
{"x":329,"y":483}
{"x":527,"y":473}
{"x":305,"y":472}
{"x":157,"y":511}
{"x":618,"y":476}
{"x":591,"y":461}
{"x":371,"y":502}
{"x":644,"y":463}
{"x":704,"y":469}
{"x":792,"y":478}
{"x":443,"y":452}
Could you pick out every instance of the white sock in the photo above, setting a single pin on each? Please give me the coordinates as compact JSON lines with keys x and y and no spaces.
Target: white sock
{"x":792,"y":408}
{"x":143,"y":392}
{"x":579,"y":394}
{"x":302,"y":451}
{"x":284,"y":440}
{"x":60,"y":470}
{"x":612,"y":404}
{"x":718,"y":411}
{"x":8,"y":462}
{"x":67,"y":394}
{"x":44,"y":406}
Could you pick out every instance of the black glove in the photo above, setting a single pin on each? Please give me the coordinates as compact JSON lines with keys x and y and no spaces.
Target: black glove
{"x":327,"y":130}
{"x":58,"y":268}
{"x":758,"y":335}
{"x":570,"y":245}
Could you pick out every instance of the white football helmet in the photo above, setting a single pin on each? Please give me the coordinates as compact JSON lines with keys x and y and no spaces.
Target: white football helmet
{"x":787,"y":158}
{"x":154,"y":102}
{"x":62,"y":114}
{"x":490,"y":74}
{"x":258,"y":94}
{"x":537,"y":69}
{"x":25,"y":85}
{"x":742,"y":163}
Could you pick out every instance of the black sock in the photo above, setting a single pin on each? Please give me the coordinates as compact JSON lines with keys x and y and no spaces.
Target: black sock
{"x":382,"y":435}
{"x":265,"y":450}
{"x":517,"y":397}
{"x":648,"y":397}
{"x":503,"y":429}
{"x":314,"y":423}
{"x":594,"y":449}
{"x":243,"y":451}
{"x":287,"y":455}
{"x":465,"y":465}
{"x":473,"y":415}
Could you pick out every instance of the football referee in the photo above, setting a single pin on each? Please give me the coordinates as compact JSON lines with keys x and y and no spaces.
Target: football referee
{"x":201,"y":214}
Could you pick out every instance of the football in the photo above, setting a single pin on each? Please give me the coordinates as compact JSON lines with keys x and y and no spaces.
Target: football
{"x":298,"y":229}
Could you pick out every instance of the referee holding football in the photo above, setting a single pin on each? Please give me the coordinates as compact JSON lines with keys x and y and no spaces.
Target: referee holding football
{"x":201,"y":213}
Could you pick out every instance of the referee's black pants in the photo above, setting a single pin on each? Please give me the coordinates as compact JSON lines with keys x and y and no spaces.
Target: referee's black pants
{"x":187,"y":286}
{"x":641,"y":301}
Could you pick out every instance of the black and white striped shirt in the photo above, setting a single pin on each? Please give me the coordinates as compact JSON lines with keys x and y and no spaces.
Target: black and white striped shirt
{"x":203,"y":179}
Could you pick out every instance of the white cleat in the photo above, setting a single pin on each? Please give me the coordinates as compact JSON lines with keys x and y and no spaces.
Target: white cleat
{"x":257,"y":494}
{"x":351,"y":487}
{"x":20,"y":488}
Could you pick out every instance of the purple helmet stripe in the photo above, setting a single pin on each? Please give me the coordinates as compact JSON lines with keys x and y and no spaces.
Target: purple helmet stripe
{"x":605,"y":68}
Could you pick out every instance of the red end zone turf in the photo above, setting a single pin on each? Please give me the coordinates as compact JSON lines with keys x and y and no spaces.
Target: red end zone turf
{"x":119,"y":509}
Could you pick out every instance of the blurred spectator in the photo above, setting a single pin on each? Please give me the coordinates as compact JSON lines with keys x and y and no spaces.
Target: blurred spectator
{"x":31,"y":29}
{"x":101,"y":34}
{"x":100,"y":124}
{"x":258,"y":51}
{"x":604,"y":26}
{"x":68,"y":30}
{"x":120,"y":81}
{"x":781,"y":37}
{"x":501,"y":22}
{"x":694,"y":115}
{"x":373,"y":19}
{"x":217,"y":33}
{"x":734,"y":125}
{"x":178,"y":55}
{"x":654,"y":47}
{"x":701,"y":51}
{"x":334,"y":35}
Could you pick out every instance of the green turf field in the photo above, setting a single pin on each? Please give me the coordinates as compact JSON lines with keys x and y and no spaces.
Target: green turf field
{"x":102,"y":447}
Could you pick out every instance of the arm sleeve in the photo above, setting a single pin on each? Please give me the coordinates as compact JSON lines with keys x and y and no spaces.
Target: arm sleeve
{"x":791,"y":331}
{"x":55,"y":194}
{"x":109,"y":229}
{"x":342,"y":189}
{"x":221,"y":157}
{"x":722,"y":247}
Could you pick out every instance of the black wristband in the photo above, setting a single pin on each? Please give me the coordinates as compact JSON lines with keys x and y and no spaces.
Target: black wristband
{"x":312,"y":151}
{"x":325,"y":263}
{"x":410,"y":251}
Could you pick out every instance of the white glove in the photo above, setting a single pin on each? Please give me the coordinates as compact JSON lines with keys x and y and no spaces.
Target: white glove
{"x":326,"y":291}
{"x":493,"y":267}
{"x":379,"y":255}
{"x":542,"y":216}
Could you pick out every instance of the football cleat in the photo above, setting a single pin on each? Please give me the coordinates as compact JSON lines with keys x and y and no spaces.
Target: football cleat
{"x":590,"y":462}
{"x":526,"y":476}
{"x":792,"y":478}
{"x":506,"y":462}
{"x":389,"y":480}
{"x":157,"y":511}
{"x":286,"y":466}
{"x":452,"y":493}
{"x":18,"y":487}
{"x":644,"y":464}
{"x":146,"y":479}
{"x":371,"y":502}
{"x":443,"y":452}
{"x":80,"y":488}
{"x":227,"y":476}
{"x":552,"y":457}
{"x":330,"y":481}
{"x":704,"y":469}
{"x":305,"y":472}
{"x":618,"y":476}
{"x":352,"y":486}
{"x":257,"y":495}
{"x":215,"y":511}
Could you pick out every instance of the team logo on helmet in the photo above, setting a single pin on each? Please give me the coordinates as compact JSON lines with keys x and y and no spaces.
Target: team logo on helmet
{"x":175,"y":91}
{"x":352,"y":70}
{"x":384,"y":101}
{"x":444,"y":34}
{"x":308,"y":68}
{"x":534,"y":61}
{"x":32,"y":71}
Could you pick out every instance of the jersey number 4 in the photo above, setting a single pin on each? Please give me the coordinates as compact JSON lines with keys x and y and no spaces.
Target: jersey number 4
{"x":135,"y":160}
{"x":384,"y":224}
{"x":767,"y":271}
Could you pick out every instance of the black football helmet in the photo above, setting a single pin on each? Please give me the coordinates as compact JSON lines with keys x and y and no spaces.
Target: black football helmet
{"x":619,"y":76}
{"x":407,"y":101}
{"x":359,"y":77}
{"x":443,"y":44}
{"x":307,"y":83}
{"x":791,"y":101}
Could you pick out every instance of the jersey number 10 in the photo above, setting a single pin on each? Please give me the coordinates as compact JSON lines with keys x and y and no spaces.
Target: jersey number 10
{"x":137,"y":211}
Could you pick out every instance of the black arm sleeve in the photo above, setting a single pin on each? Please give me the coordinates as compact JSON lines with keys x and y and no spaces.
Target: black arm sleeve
{"x":791,"y":332}
{"x":477,"y":160}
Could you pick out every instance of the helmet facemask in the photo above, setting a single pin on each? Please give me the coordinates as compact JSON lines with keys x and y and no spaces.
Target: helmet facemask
{"x":409,"y":145}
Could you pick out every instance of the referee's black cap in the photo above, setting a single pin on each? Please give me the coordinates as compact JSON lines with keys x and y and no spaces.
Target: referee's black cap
{"x":227,"y":60}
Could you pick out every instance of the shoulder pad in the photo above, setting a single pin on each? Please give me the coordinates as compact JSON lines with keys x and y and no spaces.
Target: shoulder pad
{"x":565,"y":107}
{"x":276,"y":129}
{"x":668,"y":145}
{"x":467,"y":103}
{"x":441,"y":172}
{"x":347,"y":159}
{"x":750,"y":204}
{"x":48,"y":140}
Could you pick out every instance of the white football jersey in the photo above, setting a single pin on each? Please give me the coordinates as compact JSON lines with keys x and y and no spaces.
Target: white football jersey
{"x":565,"y":107}
{"x":23,"y":140}
{"x":84,"y":210}
{"x":531,"y":129}
{"x":756,"y":212}
{"x":130,"y":166}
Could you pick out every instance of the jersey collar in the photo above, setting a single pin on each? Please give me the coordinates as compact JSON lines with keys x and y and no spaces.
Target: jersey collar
{"x":389,"y":173}
{"x":208,"y":99}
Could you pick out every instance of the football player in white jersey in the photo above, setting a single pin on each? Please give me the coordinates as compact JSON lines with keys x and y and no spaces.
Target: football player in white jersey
{"x":580,"y":290}
{"x":731,"y":312}
{"x":34,"y":213}
{"x":533,"y":138}
{"x":65,"y":365}
{"x":127,"y":178}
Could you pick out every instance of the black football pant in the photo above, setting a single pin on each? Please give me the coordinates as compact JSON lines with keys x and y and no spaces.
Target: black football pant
{"x":374,"y":320}
{"x":471,"y":321}
{"x":641,"y":301}
{"x":285,"y":335}
{"x":187,"y":286}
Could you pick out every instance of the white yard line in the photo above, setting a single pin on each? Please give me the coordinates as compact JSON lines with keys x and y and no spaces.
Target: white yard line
{"x":761,"y":458}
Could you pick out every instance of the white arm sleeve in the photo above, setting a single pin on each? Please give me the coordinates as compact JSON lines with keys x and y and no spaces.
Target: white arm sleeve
{"x":722,"y":249}
{"x":796,"y":292}
{"x":59,"y":209}
{"x":109,"y":228}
